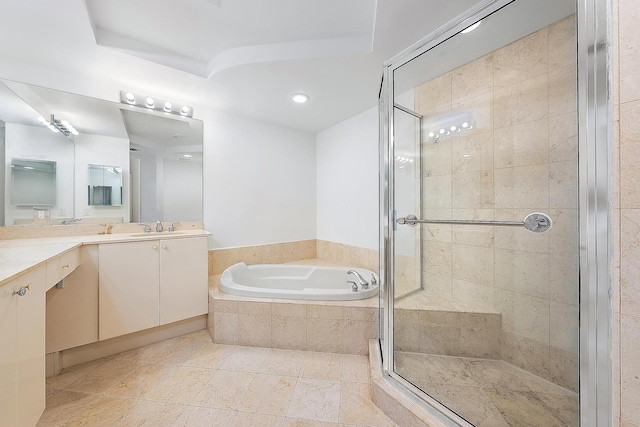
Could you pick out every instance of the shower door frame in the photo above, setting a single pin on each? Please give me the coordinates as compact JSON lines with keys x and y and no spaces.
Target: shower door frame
{"x":594,"y":192}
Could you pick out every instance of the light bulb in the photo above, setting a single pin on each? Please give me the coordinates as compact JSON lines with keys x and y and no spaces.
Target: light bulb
{"x":130,"y":97}
{"x":300,"y":98}
{"x":184,"y":110}
{"x":471,"y":27}
{"x":431,"y":134}
{"x":167,"y":106}
{"x":149,"y":102}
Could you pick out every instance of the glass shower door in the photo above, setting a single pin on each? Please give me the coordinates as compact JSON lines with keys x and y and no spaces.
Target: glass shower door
{"x":486,"y":220}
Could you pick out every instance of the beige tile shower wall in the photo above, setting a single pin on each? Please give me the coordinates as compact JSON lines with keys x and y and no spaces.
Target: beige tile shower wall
{"x":626,"y":213}
{"x":520,"y":157}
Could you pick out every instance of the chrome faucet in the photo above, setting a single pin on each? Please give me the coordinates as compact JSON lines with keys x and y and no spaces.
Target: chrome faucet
{"x":363,"y":283}
{"x":172,"y":227}
{"x":69,"y":221}
{"x":158,"y":227}
{"x":147,"y":229}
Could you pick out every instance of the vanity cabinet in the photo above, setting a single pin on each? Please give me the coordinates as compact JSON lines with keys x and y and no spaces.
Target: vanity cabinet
{"x":150,"y":283}
{"x":72,"y":310}
{"x":22,"y":368}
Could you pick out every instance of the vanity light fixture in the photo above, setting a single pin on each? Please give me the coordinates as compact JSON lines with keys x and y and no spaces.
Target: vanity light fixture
{"x":300,"y":98}
{"x":61,"y":126}
{"x":471,"y":27}
{"x":449,"y":124}
{"x":155,"y":104}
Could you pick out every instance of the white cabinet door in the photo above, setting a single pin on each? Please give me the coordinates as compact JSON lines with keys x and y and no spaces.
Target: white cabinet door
{"x":128,"y":287}
{"x":30,"y":367}
{"x":183,"y":279}
{"x":22,"y":370}
{"x":72,"y":312}
{"x":8,"y":355}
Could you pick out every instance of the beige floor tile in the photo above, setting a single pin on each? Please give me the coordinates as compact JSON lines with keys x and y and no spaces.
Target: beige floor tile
{"x":224,"y":390}
{"x":182,"y":385}
{"x":194,"y":416}
{"x":74,"y":373}
{"x":516,"y":406}
{"x":104,"y":376}
{"x":356,"y":407}
{"x":245,"y":359}
{"x":246,"y":419}
{"x":269,"y":394}
{"x":112,"y":411}
{"x":300,"y":422}
{"x":322,"y":366}
{"x":64,"y":405}
{"x":315,"y":399}
{"x":142,"y":381}
{"x":283,"y":362}
{"x":355,"y":368}
{"x":210,"y":356}
{"x":201,"y":335}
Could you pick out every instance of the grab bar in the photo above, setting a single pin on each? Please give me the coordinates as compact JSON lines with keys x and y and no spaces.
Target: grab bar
{"x":536,"y":222}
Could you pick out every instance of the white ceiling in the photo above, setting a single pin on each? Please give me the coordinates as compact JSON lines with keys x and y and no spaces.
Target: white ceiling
{"x":240,"y":56}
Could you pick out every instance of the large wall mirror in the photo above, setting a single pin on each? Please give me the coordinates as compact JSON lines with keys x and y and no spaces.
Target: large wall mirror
{"x":149,"y":163}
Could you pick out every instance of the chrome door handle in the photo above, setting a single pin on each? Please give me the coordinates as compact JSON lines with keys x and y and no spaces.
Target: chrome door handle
{"x":536,"y":222}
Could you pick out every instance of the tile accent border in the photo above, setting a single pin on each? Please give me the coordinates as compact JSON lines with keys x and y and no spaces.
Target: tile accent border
{"x":279,"y":253}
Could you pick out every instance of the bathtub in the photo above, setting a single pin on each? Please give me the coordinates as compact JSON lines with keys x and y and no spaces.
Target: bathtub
{"x":305,"y":282}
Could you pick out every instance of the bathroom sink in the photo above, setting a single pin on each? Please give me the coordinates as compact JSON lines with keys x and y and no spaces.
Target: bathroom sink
{"x":154,"y":234}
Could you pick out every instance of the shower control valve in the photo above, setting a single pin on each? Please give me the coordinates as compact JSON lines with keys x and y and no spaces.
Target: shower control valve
{"x":354,"y":286}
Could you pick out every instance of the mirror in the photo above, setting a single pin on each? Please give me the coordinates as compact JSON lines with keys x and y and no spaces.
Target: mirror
{"x":158,"y":155}
{"x":33,"y":183}
{"x":105,"y":185}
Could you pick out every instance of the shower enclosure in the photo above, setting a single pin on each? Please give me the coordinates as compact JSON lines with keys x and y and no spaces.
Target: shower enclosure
{"x":493,"y":312}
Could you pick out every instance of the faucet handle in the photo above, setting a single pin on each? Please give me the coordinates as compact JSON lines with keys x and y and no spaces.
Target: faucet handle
{"x":374,"y":281}
{"x":158,"y":226}
{"x":354,"y":286}
{"x":172,"y":227}
{"x":147,"y":229}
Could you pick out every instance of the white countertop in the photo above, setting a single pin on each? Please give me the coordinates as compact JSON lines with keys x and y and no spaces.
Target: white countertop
{"x":18,"y":256}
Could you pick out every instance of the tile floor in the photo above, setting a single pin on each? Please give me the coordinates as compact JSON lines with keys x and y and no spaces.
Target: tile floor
{"x":490,"y":393}
{"x":190,"y":381}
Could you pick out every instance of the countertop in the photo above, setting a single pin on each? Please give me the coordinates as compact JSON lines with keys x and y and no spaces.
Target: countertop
{"x":19,"y":256}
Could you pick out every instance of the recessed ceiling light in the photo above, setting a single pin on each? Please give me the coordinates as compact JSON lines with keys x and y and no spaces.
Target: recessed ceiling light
{"x":471,"y":27}
{"x":300,"y":98}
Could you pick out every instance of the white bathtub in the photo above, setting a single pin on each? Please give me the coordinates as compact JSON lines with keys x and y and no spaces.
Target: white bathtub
{"x":306,"y":282}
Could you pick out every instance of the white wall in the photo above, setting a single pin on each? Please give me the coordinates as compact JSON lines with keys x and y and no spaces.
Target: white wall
{"x":347,"y":181}
{"x":100,"y":150}
{"x":259,"y":182}
{"x":39,"y":143}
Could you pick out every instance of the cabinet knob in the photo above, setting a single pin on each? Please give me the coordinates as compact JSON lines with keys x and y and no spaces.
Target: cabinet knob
{"x":155,"y":246}
{"x":22,"y":291}
{"x":65,"y":266}
{"x":164,"y":246}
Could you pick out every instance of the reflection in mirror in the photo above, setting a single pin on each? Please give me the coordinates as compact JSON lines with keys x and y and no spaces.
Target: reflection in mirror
{"x":22,"y":136}
{"x":105,"y":185}
{"x":166,"y":167}
{"x":161,"y":181}
{"x":33,"y":182}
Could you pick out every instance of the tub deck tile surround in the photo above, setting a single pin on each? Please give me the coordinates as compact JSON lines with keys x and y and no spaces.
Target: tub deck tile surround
{"x":326,"y":326}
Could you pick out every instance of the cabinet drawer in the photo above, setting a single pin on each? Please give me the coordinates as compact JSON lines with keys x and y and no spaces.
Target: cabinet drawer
{"x":60,"y":267}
